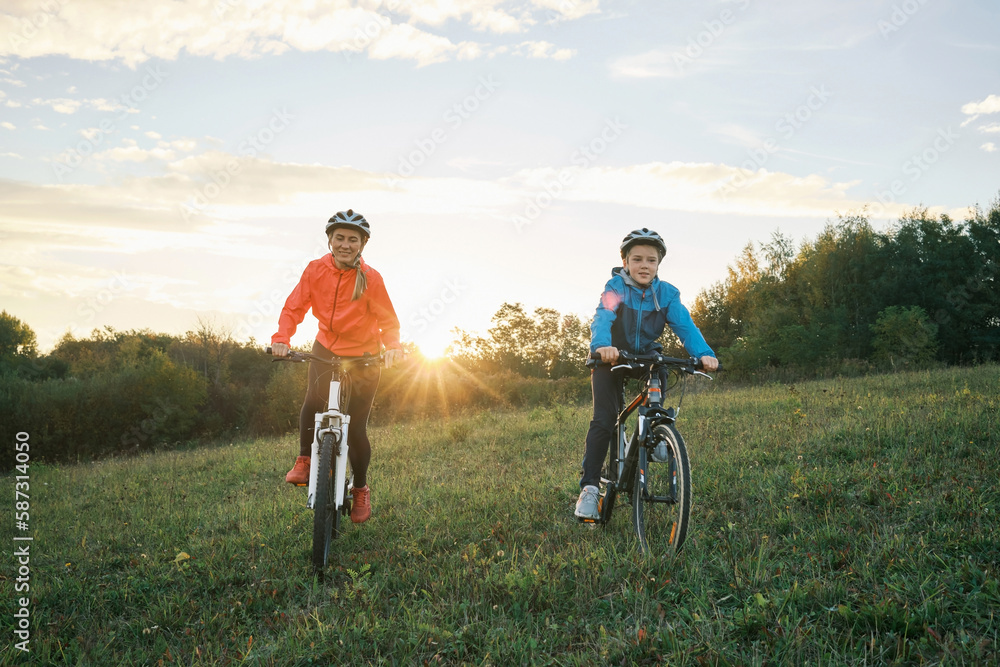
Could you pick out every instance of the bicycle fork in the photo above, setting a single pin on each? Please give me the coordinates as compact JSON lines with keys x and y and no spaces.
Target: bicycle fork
{"x":338,"y":426}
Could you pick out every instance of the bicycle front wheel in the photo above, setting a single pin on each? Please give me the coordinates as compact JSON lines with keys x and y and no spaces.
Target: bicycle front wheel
{"x":661,"y":494}
{"x":326,"y":519}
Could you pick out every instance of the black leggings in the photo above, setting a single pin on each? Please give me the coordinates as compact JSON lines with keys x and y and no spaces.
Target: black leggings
{"x":364,"y":383}
{"x":607,"y":386}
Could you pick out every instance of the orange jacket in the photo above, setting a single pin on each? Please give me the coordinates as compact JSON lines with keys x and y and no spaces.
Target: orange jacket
{"x":346,"y":328}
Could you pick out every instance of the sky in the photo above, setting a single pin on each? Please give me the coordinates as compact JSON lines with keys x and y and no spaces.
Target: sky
{"x":172,"y":163}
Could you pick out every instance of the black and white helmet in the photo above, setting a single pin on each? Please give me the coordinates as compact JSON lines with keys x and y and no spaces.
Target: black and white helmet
{"x":352,"y":220}
{"x":643,"y":236}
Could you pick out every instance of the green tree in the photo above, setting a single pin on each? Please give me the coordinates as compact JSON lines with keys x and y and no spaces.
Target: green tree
{"x":16,"y":338}
{"x":904,"y":335}
{"x":543,"y":345}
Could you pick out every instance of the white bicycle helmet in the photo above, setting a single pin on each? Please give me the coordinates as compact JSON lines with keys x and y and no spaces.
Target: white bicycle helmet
{"x":352,"y":220}
{"x":645,"y":237}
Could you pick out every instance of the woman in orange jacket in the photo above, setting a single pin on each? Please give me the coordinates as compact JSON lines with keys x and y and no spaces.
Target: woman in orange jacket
{"x":356,"y":317}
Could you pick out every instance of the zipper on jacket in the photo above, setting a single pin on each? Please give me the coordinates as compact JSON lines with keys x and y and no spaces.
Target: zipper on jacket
{"x":638,"y":323}
{"x":336,"y":296}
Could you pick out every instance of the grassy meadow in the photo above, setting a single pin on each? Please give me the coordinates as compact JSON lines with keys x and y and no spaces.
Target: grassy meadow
{"x":844,"y":521}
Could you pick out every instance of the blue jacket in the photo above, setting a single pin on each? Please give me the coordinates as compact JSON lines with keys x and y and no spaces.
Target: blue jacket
{"x":632,"y":318}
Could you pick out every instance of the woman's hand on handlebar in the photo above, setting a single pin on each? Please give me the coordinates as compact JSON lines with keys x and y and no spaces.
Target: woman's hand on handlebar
{"x":709,"y":363}
{"x":609,"y":355}
{"x":390,"y":357}
{"x":279,"y":350}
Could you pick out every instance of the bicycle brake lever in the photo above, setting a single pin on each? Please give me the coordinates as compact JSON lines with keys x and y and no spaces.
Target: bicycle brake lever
{"x":614,"y":368}
{"x":704,"y":375}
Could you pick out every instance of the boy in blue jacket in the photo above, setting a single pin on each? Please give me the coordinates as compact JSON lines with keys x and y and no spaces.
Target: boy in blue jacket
{"x":634,"y":308}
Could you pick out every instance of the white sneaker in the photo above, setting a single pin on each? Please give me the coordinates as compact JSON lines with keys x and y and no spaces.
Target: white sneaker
{"x":586,"y":505}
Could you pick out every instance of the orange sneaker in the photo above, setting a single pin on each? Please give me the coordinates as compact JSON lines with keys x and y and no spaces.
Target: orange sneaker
{"x":299,"y":474}
{"x":361,"y":507}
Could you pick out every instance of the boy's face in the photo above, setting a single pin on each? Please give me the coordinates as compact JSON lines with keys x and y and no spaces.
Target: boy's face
{"x":641,"y":262}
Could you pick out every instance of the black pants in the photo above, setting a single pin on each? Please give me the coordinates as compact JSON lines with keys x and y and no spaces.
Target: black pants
{"x":364,"y":383}
{"x":606,"y":385}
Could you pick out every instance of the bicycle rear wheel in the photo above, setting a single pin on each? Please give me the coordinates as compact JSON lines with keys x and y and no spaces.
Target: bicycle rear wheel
{"x":326,"y":519}
{"x":661,"y":494}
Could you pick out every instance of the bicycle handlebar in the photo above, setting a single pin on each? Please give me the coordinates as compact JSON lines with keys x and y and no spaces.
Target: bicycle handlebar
{"x":300,"y":357}
{"x":688,"y":365}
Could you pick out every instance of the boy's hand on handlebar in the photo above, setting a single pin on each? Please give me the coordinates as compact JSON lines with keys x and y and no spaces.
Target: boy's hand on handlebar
{"x":392,"y":356}
{"x":709,"y":363}
{"x":279,"y":350}
{"x":609,"y":355}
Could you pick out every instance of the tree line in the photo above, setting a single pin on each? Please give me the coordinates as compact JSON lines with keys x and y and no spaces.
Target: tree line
{"x":124,"y":392}
{"x":925,"y":289}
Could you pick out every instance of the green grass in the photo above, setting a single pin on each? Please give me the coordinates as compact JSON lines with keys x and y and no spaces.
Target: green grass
{"x":834,"y":522}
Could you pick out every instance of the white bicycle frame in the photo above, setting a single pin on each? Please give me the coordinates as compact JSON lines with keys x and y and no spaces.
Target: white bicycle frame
{"x":337,"y":423}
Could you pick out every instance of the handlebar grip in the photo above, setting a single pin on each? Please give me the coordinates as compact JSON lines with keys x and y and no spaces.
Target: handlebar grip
{"x":267,"y":349}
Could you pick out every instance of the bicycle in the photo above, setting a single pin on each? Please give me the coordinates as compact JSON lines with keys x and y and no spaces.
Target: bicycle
{"x":330,"y":496}
{"x":648,"y":458}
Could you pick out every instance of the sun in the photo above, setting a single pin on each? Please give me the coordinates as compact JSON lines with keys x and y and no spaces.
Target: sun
{"x":433,"y":347}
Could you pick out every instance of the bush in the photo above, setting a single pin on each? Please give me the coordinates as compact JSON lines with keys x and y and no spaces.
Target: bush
{"x":904,"y":335}
{"x":136,"y":408}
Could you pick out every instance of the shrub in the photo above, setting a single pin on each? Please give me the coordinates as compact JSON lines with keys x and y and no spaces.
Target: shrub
{"x":904,"y":335}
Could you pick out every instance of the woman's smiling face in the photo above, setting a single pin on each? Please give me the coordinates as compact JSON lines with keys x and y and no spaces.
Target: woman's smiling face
{"x":345,"y":244}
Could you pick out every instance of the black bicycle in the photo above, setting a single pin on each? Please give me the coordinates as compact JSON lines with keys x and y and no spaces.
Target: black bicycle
{"x":330,"y":478}
{"x":647,"y":459}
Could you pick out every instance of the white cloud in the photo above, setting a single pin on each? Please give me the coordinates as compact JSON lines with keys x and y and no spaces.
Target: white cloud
{"x":989,"y":147}
{"x":135,"y":32}
{"x":992,"y":128}
{"x":990,"y":105}
{"x":654,"y":63}
{"x":189,"y":191}
{"x":703,"y":187}
{"x":13,"y":155}
{"x":568,"y":9}
{"x":135,"y":154}
{"x":60,"y":105}
{"x":405,"y":41}
{"x":66,"y":105}
{"x":542,"y":49}
{"x":9,"y":126}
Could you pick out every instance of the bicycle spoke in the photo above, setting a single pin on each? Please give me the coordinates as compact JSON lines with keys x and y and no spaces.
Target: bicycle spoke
{"x":661,"y":496}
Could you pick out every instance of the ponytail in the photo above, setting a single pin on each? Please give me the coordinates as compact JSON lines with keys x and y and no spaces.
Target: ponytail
{"x":360,"y":282}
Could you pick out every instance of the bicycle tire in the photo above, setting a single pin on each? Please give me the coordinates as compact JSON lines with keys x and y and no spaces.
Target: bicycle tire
{"x":345,"y":392}
{"x":325,"y":516}
{"x":661,"y":495}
